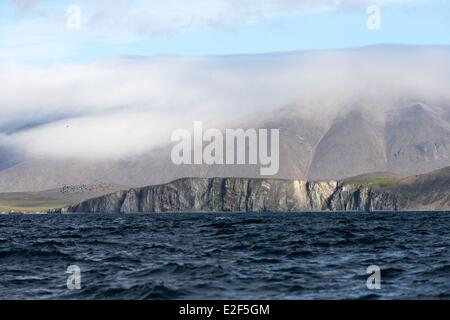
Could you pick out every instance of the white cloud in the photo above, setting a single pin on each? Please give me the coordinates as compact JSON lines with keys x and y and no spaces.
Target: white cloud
{"x":39,"y":34}
{"x":24,"y":5}
{"x":129,"y":106}
{"x":149,"y":18}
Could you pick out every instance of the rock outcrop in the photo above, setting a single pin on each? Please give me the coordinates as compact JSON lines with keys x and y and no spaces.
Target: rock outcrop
{"x":425,"y":192}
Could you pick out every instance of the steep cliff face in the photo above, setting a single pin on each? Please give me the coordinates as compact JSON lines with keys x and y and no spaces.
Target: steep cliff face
{"x":259,"y":195}
{"x":216,"y":195}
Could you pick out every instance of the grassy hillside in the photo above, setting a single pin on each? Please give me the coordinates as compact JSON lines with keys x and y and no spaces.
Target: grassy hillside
{"x":50,"y":199}
{"x":381,"y":179}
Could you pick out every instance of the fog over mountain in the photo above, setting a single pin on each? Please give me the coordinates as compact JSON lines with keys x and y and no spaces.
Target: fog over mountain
{"x":340,"y":114}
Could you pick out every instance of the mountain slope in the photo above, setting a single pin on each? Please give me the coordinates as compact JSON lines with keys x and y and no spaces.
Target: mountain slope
{"x":354,"y":145}
{"x":413,"y":140}
{"x":417,"y":140}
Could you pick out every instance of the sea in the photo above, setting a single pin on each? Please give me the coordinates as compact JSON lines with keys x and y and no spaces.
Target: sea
{"x":294,"y":256}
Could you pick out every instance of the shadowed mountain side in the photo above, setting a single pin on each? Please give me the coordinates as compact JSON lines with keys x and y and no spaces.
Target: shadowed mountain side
{"x":298,"y":139}
{"x":425,"y":192}
{"x":354,"y":145}
{"x":417,"y":140}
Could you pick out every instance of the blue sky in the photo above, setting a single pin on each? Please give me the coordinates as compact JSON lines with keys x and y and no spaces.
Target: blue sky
{"x":35,"y":31}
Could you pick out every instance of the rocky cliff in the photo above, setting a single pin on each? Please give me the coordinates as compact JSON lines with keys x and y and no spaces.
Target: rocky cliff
{"x":425,"y":192}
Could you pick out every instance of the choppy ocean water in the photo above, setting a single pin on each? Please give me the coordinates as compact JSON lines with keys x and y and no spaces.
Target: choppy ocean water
{"x":226,"y":256}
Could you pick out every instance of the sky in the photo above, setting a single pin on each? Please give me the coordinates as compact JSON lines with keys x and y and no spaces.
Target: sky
{"x":43,"y":32}
{"x":119,"y":82}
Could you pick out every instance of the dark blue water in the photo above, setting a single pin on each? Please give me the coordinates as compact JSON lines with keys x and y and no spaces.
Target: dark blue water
{"x":198,"y":256}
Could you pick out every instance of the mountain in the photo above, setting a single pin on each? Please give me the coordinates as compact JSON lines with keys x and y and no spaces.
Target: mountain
{"x":353,"y":145}
{"x":423,"y":192}
{"x":417,"y":140}
{"x":413,"y":140}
